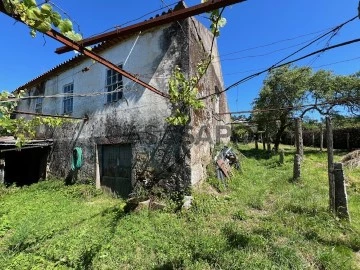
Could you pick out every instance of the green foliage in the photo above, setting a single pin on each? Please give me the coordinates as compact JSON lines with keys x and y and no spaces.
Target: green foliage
{"x":22,"y":129}
{"x":340,"y":121}
{"x":262,"y":221}
{"x":284,"y":88}
{"x":183,"y":94}
{"x":329,"y":91}
{"x":40,"y":17}
{"x":217,"y":21}
{"x":289,"y":88}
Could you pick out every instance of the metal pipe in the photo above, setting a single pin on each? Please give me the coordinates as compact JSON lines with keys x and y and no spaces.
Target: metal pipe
{"x":81,"y":49}
{"x":50,"y":115}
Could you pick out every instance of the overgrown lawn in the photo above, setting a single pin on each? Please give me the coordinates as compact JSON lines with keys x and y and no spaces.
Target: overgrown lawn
{"x":261,"y":220}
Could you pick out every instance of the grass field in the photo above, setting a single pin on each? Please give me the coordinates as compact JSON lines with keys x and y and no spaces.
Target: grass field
{"x":262,"y":220}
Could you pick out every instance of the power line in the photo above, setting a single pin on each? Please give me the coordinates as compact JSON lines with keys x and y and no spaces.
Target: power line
{"x":336,"y":29}
{"x":261,"y":55}
{"x":63,"y":95}
{"x":275,"y":42}
{"x":49,"y":115}
{"x":333,"y":102}
{"x":284,"y":64}
{"x":324,"y":65}
{"x":277,"y":64}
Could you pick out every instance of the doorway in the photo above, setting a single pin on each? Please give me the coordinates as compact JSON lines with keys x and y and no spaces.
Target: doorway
{"x":116,"y":160}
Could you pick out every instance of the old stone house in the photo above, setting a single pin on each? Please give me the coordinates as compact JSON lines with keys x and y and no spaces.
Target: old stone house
{"x":126,"y":139}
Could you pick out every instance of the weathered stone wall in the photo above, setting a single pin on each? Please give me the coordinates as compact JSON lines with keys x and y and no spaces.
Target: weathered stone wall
{"x":206,"y":124}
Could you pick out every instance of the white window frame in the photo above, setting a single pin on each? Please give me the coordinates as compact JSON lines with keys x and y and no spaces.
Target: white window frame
{"x":68,"y":101}
{"x":114,"y":80}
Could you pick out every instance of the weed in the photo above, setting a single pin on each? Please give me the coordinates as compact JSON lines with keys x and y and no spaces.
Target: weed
{"x":261,"y":221}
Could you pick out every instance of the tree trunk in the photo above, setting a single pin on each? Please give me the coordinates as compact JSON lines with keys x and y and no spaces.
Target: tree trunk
{"x":299,"y":138}
{"x":321,"y":139}
{"x":278,"y":137}
{"x":297,"y":167}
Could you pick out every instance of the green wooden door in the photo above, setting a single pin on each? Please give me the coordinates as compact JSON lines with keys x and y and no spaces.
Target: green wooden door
{"x":116,"y":169}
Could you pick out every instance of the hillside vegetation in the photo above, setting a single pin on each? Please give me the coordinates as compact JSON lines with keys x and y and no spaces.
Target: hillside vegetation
{"x":262,"y":220}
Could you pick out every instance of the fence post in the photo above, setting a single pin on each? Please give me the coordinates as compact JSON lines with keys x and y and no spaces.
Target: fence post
{"x":256,"y":141}
{"x":299,"y":138}
{"x":330,"y":153}
{"x":263,"y":138}
{"x":2,"y":171}
{"x":313,"y":139}
{"x":282,"y":156}
{"x":341,"y":203}
{"x":348,"y":141}
{"x":321,"y":139}
{"x":297,"y":167}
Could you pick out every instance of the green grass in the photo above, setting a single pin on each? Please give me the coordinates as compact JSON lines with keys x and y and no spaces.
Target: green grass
{"x":262,"y":220}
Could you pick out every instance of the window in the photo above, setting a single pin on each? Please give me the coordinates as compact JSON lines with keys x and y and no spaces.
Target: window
{"x":114,"y":85}
{"x":38,"y":104}
{"x":68,"y":100}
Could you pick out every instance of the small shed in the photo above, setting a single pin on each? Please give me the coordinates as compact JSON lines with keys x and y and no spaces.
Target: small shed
{"x":25,"y":165}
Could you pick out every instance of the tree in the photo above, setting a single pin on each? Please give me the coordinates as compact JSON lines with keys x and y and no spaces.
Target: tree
{"x":329,"y":92}
{"x":284,"y":89}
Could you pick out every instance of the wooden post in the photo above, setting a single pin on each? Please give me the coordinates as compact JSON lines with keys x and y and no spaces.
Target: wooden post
{"x":297,"y":167}
{"x":97,"y":167}
{"x":348,"y":141}
{"x":341,"y":203}
{"x":256,"y":141}
{"x":313,"y":139}
{"x":330,"y":153}
{"x":268,"y":143}
{"x":321,"y":139}
{"x":2,"y":171}
{"x":282,"y":156}
{"x":263,"y":140}
{"x":299,"y":138}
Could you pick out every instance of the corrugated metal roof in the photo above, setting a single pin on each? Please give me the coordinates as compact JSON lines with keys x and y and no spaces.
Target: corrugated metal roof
{"x":10,"y":140}
{"x":70,"y":63}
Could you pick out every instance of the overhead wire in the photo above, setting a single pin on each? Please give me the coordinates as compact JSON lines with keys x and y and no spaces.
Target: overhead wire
{"x":339,"y":102}
{"x":275,"y":42}
{"x":278,"y":63}
{"x":261,"y":55}
{"x":63,"y":95}
{"x":218,"y":56}
{"x":143,"y":75}
{"x":336,"y":29}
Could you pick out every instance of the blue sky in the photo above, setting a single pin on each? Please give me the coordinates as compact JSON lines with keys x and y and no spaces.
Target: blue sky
{"x":253,"y":23}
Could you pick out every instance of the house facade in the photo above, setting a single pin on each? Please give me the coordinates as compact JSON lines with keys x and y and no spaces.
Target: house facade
{"x":125,"y":139}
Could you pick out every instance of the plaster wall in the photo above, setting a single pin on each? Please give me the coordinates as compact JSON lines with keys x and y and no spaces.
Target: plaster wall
{"x":159,"y":152}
